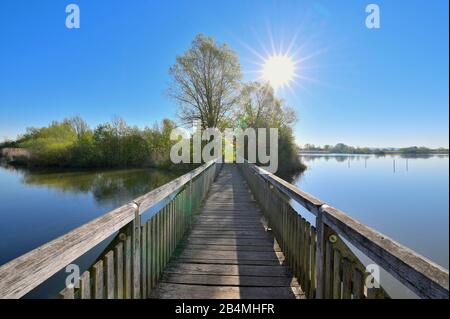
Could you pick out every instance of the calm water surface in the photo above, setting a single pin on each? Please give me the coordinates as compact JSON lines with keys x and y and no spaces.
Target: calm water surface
{"x":404,"y":198}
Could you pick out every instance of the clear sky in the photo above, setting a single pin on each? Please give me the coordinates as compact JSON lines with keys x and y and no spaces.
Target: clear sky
{"x":374,"y":87}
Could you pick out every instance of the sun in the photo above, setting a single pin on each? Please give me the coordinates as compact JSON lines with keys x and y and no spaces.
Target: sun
{"x":278,"y":70}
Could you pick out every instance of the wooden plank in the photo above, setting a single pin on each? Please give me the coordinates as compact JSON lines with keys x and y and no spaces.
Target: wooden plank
{"x":171,"y":229}
{"x":233,"y":261}
{"x":358,"y":284}
{"x":224,"y":280}
{"x":240,"y":255}
{"x":154,"y":252}
{"x":296,"y":244}
{"x":128,"y":268}
{"x":178,"y":291}
{"x":346,"y":279}
{"x":307,"y":285}
{"x":266,"y":247}
{"x":164,"y":238}
{"x":301,"y":250}
{"x":144,"y":260}
{"x":118,"y":269}
{"x":337,"y":274}
{"x":150,"y":257}
{"x":328,"y":275}
{"x":158,"y":246}
{"x":304,"y":254}
{"x":98,"y":280}
{"x":238,"y":233}
{"x":85,"y":285}
{"x":230,"y":270}
{"x":109,"y":267}
{"x":136,"y":254}
{"x":313,"y":266}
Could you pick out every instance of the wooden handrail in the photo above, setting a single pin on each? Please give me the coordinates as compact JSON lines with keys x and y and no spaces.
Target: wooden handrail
{"x":424,"y":277}
{"x":21,"y":275}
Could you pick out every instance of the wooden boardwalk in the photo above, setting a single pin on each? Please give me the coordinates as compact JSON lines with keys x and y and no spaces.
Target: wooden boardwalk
{"x":228,"y":253}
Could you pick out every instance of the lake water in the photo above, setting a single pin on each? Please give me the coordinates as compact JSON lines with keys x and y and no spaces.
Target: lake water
{"x":410,"y":204}
{"x":406,"y":198}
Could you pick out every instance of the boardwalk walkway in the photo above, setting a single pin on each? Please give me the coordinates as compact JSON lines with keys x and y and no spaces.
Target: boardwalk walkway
{"x":228,"y":253}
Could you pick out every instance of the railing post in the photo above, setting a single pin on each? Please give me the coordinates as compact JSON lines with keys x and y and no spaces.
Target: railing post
{"x":320,"y":254}
{"x":191,"y":199}
{"x":136,"y":252}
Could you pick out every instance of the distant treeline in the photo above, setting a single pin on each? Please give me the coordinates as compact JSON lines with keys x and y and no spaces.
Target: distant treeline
{"x":341,"y":148}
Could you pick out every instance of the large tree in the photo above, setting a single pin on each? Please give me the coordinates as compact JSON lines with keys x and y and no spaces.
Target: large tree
{"x":205,"y":82}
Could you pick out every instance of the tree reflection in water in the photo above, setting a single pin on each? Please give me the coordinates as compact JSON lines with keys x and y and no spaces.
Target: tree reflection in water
{"x":108,"y":187}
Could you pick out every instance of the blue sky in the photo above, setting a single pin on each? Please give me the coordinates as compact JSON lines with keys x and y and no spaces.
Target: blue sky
{"x":384,"y":87}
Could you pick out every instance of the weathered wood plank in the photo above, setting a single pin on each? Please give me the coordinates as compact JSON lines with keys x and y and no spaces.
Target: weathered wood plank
{"x":227,"y":280}
{"x":128,"y":268}
{"x":346,"y":279}
{"x":178,"y":291}
{"x":144,"y":260}
{"x":98,"y":280}
{"x":358,"y":284}
{"x":228,"y":270}
{"x":118,"y":269}
{"x":337,"y":287}
{"x":85,"y":285}
{"x":110,"y":282}
{"x":266,"y":248}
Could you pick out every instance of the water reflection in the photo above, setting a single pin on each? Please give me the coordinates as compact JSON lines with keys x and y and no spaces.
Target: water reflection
{"x":107,"y":187}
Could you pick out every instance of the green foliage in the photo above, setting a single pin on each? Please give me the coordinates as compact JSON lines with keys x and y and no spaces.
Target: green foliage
{"x":71,"y":143}
{"x":50,"y":145}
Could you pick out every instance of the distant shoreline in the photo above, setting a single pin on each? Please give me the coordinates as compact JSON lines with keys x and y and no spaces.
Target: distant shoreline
{"x":308,"y":152}
{"x":342,"y":148}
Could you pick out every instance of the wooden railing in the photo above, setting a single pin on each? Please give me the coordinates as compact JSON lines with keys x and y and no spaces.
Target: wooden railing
{"x":324,"y":265}
{"x":136,"y":257}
